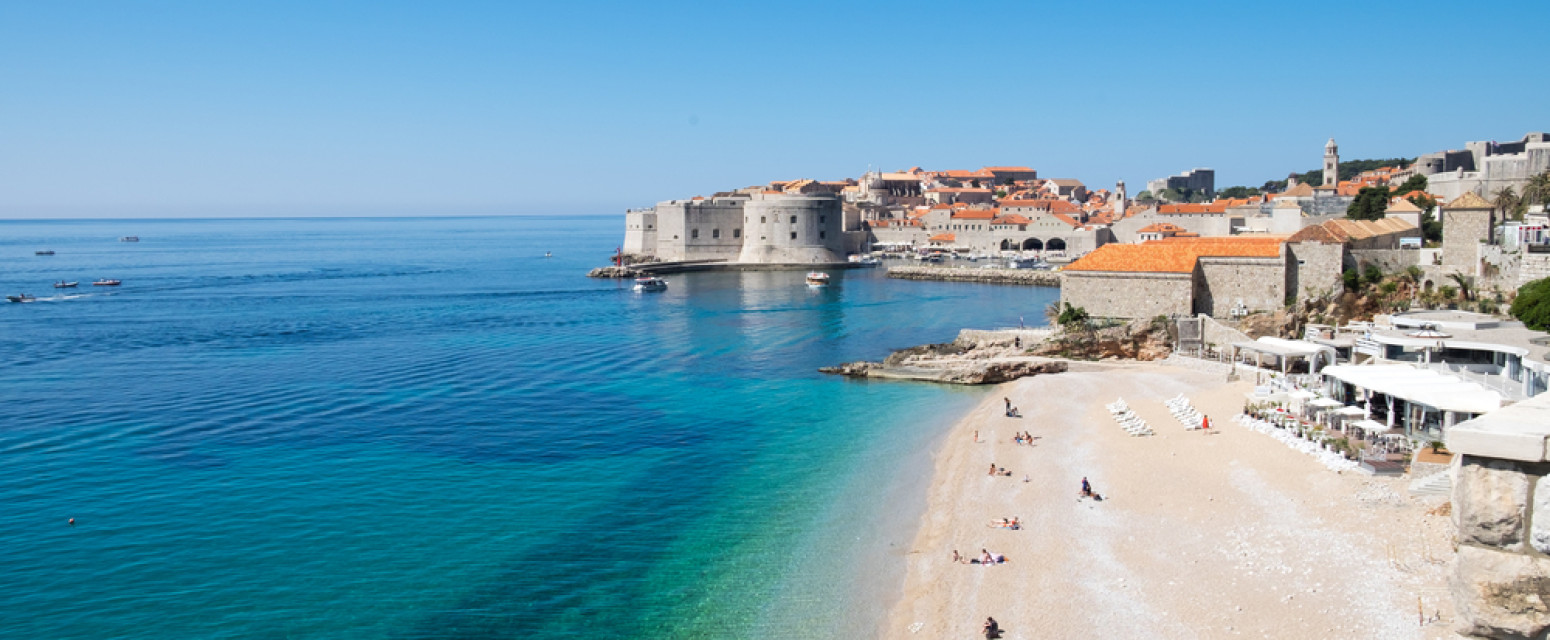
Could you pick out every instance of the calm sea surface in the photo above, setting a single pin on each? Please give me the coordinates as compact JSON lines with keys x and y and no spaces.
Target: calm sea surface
{"x":422,"y":428}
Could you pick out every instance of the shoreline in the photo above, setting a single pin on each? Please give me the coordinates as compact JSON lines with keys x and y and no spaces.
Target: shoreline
{"x":1214,"y":535}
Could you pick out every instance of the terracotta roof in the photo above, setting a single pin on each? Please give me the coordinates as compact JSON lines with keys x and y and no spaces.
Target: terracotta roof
{"x":1067,"y":219}
{"x":1053,"y":205}
{"x":1469,"y":201}
{"x":1159,"y":227}
{"x":1011,"y":219}
{"x":1401,"y":205}
{"x":1302,"y":190}
{"x":975,"y":214}
{"x":943,"y":237}
{"x":1065,"y":182}
{"x":1008,"y":169}
{"x":1210,"y":207}
{"x":1343,"y":230}
{"x":1177,"y":255}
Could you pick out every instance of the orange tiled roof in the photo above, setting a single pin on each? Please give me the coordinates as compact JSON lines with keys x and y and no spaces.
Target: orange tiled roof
{"x":1067,"y":219}
{"x":1160,"y":227}
{"x":1008,"y":169}
{"x":1219,"y":206}
{"x":976,"y":214}
{"x":1177,"y":255}
{"x":943,"y":237}
{"x":1011,"y":219}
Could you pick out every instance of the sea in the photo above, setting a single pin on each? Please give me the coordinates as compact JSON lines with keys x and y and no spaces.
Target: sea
{"x":439,"y":428}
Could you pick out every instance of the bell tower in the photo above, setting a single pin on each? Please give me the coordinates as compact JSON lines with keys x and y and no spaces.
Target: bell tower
{"x":1331,"y":164}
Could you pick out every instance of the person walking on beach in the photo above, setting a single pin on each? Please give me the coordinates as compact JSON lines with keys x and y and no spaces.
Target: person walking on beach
{"x":1008,"y":405}
{"x":1087,"y":489}
{"x":976,"y":435}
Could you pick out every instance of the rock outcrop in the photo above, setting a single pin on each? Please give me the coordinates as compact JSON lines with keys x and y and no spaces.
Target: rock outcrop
{"x":976,"y":357}
{"x":1501,"y":595}
{"x":1143,"y":340}
{"x":614,"y":272}
{"x":1489,"y":500}
{"x":976,"y":274}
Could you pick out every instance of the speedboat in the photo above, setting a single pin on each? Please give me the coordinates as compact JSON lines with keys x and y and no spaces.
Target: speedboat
{"x":817,"y":279}
{"x":65,"y":285}
{"x":21,"y":298}
{"x":107,"y":283}
{"x":129,"y":239}
{"x":45,"y":252}
{"x":650,"y":284}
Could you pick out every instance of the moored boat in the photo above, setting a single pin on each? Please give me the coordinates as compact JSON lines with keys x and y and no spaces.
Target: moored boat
{"x":817,"y":279}
{"x":65,"y":285}
{"x":21,"y":298}
{"x":650,"y":284}
{"x":107,"y":283}
{"x":129,"y":239}
{"x":45,"y":252}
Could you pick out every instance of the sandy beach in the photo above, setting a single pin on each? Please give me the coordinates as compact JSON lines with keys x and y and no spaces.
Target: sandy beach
{"x":1226,"y":534}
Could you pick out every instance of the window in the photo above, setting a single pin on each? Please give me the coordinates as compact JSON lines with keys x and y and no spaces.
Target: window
{"x":715,"y":233}
{"x":737,"y":233}
{"x":821,"y":219}
{"x":793,"y":235}
{"x":761,"y":219}
{"x":793,"y":219}
{"x":694,"y":233}
{"x":820,"y":235}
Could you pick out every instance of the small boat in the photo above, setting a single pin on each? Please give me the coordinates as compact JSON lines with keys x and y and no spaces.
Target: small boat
{"x":129,"y":239}
{"x":65,"y":285}
{"x":817,"y":279}
{"x":548,"y":254}
{"x":107,"y":283}
{"x":650,"y":284}
{"x":45,"y":252}
{"x":21,"y":298}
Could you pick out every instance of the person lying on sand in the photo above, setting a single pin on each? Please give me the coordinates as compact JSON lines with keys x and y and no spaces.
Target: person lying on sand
{"x":1006,"y":523}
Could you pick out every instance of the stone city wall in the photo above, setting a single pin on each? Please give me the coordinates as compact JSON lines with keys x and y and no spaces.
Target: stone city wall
{"x":1316,"y":268}
{"x":1389,"y":260}
{"x":1535,"y":266}
{"x":1258,"y":283}
{"x":1128,"y":295}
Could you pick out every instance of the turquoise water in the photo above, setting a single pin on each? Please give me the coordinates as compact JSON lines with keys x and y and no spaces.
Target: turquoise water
{"x":421,"y":428}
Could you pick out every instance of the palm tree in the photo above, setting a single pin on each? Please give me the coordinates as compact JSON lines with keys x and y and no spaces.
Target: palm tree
{"x":1537,"y":190}
{"x":1508,"y":202}
{"x":1466,"y":285}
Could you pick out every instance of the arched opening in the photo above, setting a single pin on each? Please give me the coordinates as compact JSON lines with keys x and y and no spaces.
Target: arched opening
{"x":1055,"y":244}
{"x":1033,"y":244}
{"x":1007,"y":245}
{"x":1427,"y":286}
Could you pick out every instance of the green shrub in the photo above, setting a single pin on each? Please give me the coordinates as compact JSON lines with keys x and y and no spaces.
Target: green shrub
{"x":1532,"y":306}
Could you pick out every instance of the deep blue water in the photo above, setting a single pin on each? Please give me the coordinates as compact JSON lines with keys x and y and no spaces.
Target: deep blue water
{"x":421,"y":428}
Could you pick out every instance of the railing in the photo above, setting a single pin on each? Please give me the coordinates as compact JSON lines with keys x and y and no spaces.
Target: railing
{"x":1510,"y":389}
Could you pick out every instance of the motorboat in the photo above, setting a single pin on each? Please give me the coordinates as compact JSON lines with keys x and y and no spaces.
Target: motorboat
{"x":45,"y":252}
{"x":129,"y":239}
{"x":107,"y":283}
{"x":650,"y":284}
{"x":548,"y":254}
{"x":65,"y":285}
{"x":817,"y":279}
{"x":21,"y":298}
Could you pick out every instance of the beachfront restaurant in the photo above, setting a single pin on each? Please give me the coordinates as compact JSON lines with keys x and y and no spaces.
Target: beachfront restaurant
{"x":1283,"y":353}
{"x":1419,"y":403}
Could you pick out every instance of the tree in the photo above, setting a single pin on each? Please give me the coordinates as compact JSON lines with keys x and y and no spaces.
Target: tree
{"x":1532,"y":307}
{"x":1509,"y":203}
{"x":1416,"y":182}
{"x":1071,"y":316}
{"x":1238,"y":192}
{"x":1371,"y":274}
{"x":1537,"y":190}
{"x":1370,"y":203}
{"x":1146,"y":197}
{"x":1350,"y":279}
{"x":1171,"y":195}
{"x":1466,"y":285}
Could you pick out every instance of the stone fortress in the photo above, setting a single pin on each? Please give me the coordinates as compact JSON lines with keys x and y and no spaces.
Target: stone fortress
{"x":1485,"y":167}
{"x":749,"y":227}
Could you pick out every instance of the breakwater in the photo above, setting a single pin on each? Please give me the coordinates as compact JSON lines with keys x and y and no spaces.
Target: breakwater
{"x":975,"y":274}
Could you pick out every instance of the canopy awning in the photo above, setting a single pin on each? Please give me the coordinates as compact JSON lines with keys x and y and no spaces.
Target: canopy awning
{"x":1282,"y":348}
{"x":1301,"y":395}
{"x":1419,"y":386}
{"x":1371,"y":426}
{"x":1326,"y":403}
{"x":1350,"y":411}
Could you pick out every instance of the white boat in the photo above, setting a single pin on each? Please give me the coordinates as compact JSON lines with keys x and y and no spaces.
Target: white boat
{"x":817,"y":279}
{"x":66,"y":285}
{"x":129,"y":239}
{"x":21,"y":298}
{"x":650,"y":284}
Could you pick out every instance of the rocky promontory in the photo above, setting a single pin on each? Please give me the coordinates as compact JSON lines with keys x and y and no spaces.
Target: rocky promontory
{"x":976,"y":357}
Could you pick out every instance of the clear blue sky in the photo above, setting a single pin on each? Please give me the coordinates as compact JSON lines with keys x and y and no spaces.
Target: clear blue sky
{"x":346,"y":108}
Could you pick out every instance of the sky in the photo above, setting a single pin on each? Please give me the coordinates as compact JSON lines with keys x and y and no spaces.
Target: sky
{"x":177,"y":109}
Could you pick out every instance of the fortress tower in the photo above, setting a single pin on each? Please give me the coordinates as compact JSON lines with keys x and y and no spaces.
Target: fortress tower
{"x":1331,"y":164}
{"x":793,"y":229}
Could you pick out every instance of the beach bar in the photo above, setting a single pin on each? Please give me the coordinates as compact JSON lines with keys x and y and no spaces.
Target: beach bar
{"x":1423,"y":403}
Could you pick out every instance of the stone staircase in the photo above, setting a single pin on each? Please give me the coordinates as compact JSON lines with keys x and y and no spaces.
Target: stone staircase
{"x":1437,"y":484}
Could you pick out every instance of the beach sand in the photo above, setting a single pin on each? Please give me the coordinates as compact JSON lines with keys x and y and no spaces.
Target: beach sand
{"x":1228,"y":534}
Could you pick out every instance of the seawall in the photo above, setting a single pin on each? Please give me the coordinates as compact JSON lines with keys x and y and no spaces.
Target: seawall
{"x":1026,"y":277}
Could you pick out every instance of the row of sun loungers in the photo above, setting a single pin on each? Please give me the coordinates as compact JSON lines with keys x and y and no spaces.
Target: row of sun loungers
{"x":1128,"y":420}
{"x":1328,"y":458}
{"x":1182,"y":411}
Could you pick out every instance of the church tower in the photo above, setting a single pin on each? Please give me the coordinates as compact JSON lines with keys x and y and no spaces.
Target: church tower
{"x":1331,"y":164}
{"x":1119,"y":200}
